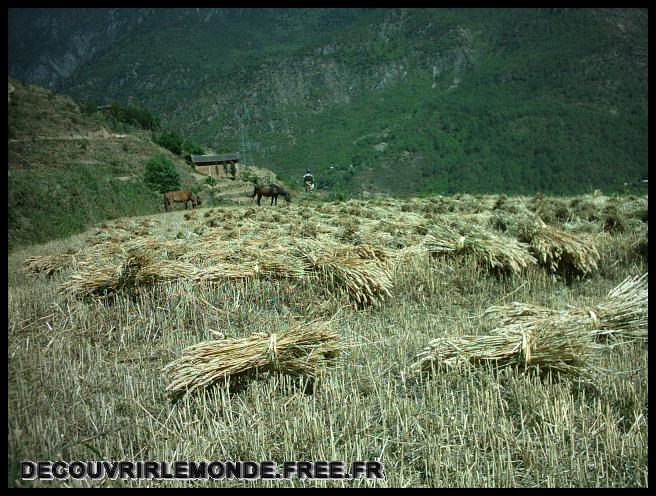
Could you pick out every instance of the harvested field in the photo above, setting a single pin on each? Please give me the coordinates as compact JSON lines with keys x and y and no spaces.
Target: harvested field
{"x":463,"y":341}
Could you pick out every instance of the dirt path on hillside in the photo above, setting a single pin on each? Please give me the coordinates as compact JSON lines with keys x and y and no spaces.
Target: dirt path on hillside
{"x":97,"y":136}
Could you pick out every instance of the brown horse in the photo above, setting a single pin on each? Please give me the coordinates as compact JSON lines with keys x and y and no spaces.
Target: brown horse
{"x":272,"y":190}
{"x":183,"y":196}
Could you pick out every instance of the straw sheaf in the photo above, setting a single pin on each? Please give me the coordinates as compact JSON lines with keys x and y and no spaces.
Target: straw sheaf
{"x":532,"y":335}
{"x":494,"y":253}
{"x":563,"y":251}
{"x":139,"y":271}
{"x":552,"y":345}
{"x":93,"y":281}
{"x":51,"y":264}
{"x":303,"y":350}
{"x":354,"y":272}
{"x":99,"y":251}
{"x":48,"y":264}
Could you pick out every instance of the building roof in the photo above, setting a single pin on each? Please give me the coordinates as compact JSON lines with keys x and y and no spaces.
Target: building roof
{"x":201,"y":159}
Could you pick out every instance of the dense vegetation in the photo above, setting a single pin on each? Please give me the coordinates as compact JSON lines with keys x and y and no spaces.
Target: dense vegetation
{"x":178,"y":144}
{"x":398,"y":101}
{"x":135,"y":116}
{"x":161,"y":174}
{"x":54,"y":203}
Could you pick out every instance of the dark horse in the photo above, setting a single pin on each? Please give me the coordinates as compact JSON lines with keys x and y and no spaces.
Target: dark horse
{"x":272,"y":190}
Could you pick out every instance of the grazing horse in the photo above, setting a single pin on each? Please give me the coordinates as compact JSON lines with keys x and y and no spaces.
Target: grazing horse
{"x":183,"y":196}
{"x":272,"y":190}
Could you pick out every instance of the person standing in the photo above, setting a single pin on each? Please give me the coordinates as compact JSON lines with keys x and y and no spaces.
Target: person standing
{"x":308,"y":180}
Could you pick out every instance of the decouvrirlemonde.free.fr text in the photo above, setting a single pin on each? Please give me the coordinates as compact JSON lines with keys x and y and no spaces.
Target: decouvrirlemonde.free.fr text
{"x":191,"y":470}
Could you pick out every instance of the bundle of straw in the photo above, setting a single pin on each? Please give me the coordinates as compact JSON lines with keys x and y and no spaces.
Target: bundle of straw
{"x":562,"y":251}
{"x":624,"y":312}
{"x":48,"y":264}
{"x":531,"y":335}
{"x":496,"y":254}
{"x":163,"y":271}
{"x":139,"y":268}
{"x":111,"y":236}
{"x":301,"y":350}
{"x":276,"y":269}
{"x":367,"y":252}
{"x":158,"y":248}
{"x":551,"y":345}
{"x":93,"y":254}
{"x":145,"y":267}
{"x":350,"y":272}
{"x":280,"y":267}
{"x":96,"y":280}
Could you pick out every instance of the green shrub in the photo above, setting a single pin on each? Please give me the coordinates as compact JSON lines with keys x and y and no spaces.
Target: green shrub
{"x":248,"y":177}
{"x":192,"y":148}
{"x":88,"y":108}
{"x":161,"y":174}
{"x":210,"y":181}
{"x":171,"y":141}
{"x":133,"y":116}
{"x":178,"y":145}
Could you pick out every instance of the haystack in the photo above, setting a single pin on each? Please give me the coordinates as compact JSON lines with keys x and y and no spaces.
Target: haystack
{"x":534,"y":336}
{"x":302,"y":350}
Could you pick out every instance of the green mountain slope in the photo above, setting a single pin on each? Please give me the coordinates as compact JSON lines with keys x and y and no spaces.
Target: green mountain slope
{"x":400,"y":101}
{"x":67,"y":170}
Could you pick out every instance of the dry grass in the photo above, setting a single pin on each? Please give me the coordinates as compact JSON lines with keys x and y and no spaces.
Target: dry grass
{"x":85,"y":374}
{"x":534,"y":336}
{"x":563,"y":252}
{"x":302,"y":350}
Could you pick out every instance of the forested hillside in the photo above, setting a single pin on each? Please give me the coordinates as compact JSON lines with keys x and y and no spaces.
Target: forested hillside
{"x":399,"y":101}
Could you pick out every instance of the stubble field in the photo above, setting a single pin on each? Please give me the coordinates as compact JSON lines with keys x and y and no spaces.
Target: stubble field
{"x":95,"y":319}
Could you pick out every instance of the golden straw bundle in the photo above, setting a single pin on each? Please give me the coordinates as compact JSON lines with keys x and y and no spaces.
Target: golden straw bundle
{"x":531,"y":335}
{"x":139,"y":268}
{"x":552,"y":345}
{"x":97,"y":280}
{"x":143,"y":268}
{"x":563,"y":251}
{"x":496,"y":254}
{"x":351,"y":272}
{"x":48,"y":264}
{"x":92,"y":254}
{"x":301,"y":350}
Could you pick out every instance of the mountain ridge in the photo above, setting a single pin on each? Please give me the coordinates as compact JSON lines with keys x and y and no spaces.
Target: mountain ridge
{"x":398,"y":101}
